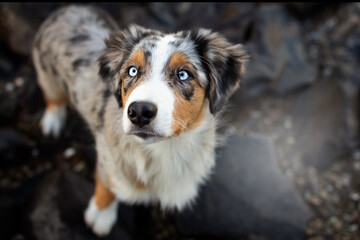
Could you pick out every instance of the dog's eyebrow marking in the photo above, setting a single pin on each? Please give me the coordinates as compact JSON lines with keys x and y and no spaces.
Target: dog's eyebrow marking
{"x":138,"y":58}
{"x":79,"y":38}
{"x":80,"y":62}
{"x":177,"y":60}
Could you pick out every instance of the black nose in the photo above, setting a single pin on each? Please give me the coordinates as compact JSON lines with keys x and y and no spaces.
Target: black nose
{"x":141,"y":113}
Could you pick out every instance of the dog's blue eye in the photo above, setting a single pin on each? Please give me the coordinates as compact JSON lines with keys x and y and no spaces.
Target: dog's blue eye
{"x":133,"y":71}
{"x":183,"y":75}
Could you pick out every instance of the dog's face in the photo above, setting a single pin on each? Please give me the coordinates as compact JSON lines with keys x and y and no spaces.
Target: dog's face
{"x":164,"y":83}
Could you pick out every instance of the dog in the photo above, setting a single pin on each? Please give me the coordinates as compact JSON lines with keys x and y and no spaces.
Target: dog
{"x":151,"y":100}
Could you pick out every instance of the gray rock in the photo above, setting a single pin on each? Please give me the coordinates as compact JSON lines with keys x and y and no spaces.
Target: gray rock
{"x":57,"y":209}
{"x":247,"y":195}
{"x":231,"y":19}
{"x":278,"y":59}
{"x":19,"y":24}
{"x":13,"y":204}
{"x":14,"y":147}
{"x":20,"y":21}
{"x":305,"y":10}
{"x":319,"y":124}
{"x":8,"y":105}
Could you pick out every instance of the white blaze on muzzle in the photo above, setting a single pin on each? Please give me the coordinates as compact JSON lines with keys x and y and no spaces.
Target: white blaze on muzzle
{"x":155,"y":90}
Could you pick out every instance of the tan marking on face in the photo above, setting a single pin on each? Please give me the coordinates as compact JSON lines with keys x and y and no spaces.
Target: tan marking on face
{"x":103,"y":196}
{"x":188,"y":114}
{"x":138,"y":58}
{"x":178,"y":60}
{"x":126,"y":96}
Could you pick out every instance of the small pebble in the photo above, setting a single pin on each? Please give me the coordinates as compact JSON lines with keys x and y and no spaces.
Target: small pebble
{"x":289,"y":173}
{"x":79,"y":166}
{"x":356,"y":155}
{"x":330,"y":188}
{"x":300,"y":181}
{"x":9,"y":87}
{"x":19,"y":81}
{"x":309,"y":232}
{"x":347,"y":217}
{"x":317,"y":224}
{"x":255,"y":114}
{"x":35,"y":152}
{"x":47,"y":165}
{"x":315,"y":201}
{"x":336,"y":223}
{"x":290,"y":140}
{"x":355,"y":196}
{"x":353,"y":227}
{"x":357,"y":165}
{"x":4,"y":182}
{"x":323,"y":194}
{"x":68,"y":153}
{"x":39,"y":169}
{"x":288,"y":124}
{"x":275,"y":135}
{"x":18,"y":237}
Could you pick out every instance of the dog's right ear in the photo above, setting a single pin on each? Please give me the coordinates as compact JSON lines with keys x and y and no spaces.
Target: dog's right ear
{"x":119,"y":46}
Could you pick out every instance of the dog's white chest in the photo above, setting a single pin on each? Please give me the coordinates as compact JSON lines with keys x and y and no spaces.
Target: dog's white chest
{"x":169,"y":171}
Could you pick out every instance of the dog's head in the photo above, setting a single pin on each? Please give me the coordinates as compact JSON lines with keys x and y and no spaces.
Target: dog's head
{"x":165,"y":82}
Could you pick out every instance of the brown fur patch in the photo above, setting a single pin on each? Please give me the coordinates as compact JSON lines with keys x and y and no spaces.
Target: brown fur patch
{"x":138,"y":58}
{"x":103,"y":196}
{"x":51,"y":103}
{"x":126,"y":96}
{"x":178,"y":60}
{"x":188,"y":114}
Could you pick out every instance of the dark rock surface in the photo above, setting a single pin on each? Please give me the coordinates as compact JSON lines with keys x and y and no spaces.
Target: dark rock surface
{"x":278,"y":60}
{"x":56,"y":209}
{"x":13,"y":206}
{"x":318,"y":113}
{"x":247,"y":194}
{"x":13,"y":145}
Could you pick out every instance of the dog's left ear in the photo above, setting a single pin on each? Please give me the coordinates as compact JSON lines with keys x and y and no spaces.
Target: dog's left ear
{"x":224,"y":63}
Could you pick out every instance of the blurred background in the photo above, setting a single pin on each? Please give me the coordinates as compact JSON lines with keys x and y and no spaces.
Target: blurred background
{"x":289,"y":170}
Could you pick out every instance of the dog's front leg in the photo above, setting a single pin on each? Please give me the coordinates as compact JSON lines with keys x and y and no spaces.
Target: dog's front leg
{"x":101,"y":213}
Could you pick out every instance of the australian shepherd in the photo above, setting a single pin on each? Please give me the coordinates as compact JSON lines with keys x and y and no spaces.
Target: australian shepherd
{"x":149,"y":98}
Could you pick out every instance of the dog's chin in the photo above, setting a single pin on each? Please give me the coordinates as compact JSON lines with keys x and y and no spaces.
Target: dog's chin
{"x":146,"y":135}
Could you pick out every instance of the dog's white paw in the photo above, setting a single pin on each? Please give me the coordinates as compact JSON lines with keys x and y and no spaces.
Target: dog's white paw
{"x":53,"y":120}
{"x":101,"y":221}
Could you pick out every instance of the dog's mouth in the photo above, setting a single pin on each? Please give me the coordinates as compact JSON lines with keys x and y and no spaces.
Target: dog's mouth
{"x":145,"y":133}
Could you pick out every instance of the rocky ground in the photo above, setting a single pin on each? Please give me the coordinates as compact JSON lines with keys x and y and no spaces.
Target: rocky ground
{"x":290,"y":168}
